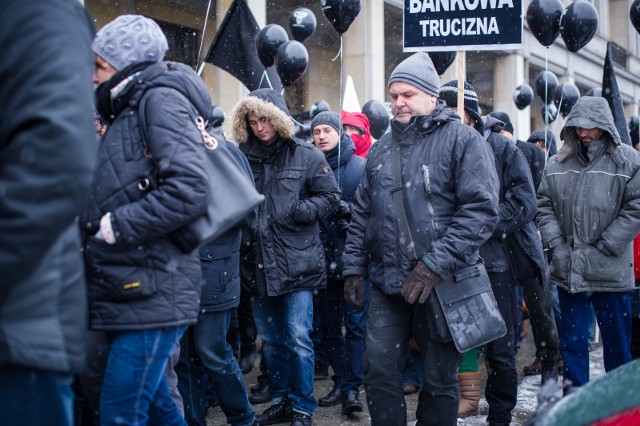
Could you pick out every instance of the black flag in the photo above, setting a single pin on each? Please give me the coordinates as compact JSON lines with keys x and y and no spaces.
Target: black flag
{"x":611,"y":93}
{"x":234,"y":49}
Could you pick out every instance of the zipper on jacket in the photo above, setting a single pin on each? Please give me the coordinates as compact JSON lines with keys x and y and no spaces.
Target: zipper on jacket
{"x":426,"y":180}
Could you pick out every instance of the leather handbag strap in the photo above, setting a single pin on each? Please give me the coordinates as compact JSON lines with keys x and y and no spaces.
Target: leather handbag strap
{"x":401,"y":214}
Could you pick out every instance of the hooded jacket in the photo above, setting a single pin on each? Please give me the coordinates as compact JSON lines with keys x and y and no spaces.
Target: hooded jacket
{"x":144,"y":280}
{"x":450,"y":197}
{"x":589,"y":210}
{"x":47,"y":158}
{"x":300,"y":190}
{"x":362,"y":142}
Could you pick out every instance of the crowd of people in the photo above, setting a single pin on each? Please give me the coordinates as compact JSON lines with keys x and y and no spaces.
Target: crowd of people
{"x":104,"y":319}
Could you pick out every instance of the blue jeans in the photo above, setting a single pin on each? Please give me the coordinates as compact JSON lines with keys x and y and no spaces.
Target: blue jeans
{"x":134,"y":389}
{"x":284,"y":324}
{"x":31,"y":397}
{"x":207,"y":356}
{"x":613,"y":313}
{"x":345,"y":352}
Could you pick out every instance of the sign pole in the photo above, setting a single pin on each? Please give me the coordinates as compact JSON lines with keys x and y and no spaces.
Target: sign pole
{"x":461,"y":64}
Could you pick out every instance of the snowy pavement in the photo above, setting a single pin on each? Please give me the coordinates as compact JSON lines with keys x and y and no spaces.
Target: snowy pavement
{"x":528,"y":395}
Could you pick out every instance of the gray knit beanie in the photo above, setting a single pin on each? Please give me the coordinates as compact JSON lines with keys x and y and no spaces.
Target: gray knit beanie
{"x":329,"y":118}
{"x":130,"y":39}
{"x":418,"y":71}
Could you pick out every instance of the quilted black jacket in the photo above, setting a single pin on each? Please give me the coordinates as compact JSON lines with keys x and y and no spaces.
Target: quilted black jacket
{"x":144,"y":281}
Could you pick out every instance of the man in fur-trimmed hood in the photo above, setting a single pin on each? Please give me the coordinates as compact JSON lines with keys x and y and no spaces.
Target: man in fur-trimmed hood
{"x":285,"y":258}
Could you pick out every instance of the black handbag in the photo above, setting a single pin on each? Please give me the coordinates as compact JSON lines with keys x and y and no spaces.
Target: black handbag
{"x":233,"y":194}
{"x":470,"y":309}
{"x":465,"y":299}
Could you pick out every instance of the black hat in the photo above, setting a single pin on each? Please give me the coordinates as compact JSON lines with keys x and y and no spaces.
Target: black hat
{"x":504,"y":117}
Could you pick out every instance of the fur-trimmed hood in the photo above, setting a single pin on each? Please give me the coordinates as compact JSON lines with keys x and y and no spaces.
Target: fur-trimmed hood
{"x":264,"y":103}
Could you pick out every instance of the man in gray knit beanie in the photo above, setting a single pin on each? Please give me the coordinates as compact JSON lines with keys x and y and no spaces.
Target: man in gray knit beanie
{"x":417,"y":70}
{"x":130,"y":39}
{"x":424,"y":219}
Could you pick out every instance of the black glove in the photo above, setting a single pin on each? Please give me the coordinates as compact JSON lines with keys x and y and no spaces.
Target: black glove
{"x":344,"y":211}
{"x":354,"y":291}
{"x":419,"y":283}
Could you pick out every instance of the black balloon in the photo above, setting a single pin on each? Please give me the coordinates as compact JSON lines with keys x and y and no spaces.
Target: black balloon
{"x":634,"y":14}
{"x":565,"y":97}
{"x":302,"y":23}
{"x":546,"y":81}
{"x":217,"y":116}
{"x":442,"y":60}
{"x":318,"y":107}
{"x":269,"y":39}
{"x":291,"y":62}
{"x":378,"y":116}
{"x":543,"y":17}
{"x":579,"y":25}
{"x":549,"y":114}
{"x":341,"y":13}
{"x":522,"y":96}
{"x":596,"y":91}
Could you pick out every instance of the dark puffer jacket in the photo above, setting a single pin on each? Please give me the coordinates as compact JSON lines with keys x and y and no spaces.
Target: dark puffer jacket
{"x":144,"y":281}
{"x":450,"y":197}
{"x":300,"y":190}
{"x":47,"y":157}
{"x":348,"y":169}
{"x":517,"y":209}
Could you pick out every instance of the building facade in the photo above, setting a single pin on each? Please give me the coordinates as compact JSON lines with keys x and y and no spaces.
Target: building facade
{"x":372,"y":47}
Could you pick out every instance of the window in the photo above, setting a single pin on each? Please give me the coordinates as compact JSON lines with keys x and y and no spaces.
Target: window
{"x":183,"y":42}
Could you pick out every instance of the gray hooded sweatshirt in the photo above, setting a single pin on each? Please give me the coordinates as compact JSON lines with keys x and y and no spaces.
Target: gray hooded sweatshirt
{"x":589,"y":205}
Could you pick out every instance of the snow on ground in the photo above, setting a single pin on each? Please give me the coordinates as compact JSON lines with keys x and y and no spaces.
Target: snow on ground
{"x":528,"y":395}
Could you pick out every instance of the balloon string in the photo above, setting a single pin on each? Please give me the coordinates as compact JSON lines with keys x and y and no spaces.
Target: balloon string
{"x":265,"y":74}
{"x":339,"y":51}
{"x":204,"y":28}
{"x":340,"y":131}
{"x":546,"y":109}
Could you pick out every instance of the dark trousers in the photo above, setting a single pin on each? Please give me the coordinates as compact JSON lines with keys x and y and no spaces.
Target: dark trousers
{"x":502,"y":378}
{"x":539,"y":300}
{"x":391,"y":324}
{"x":344,"y":352}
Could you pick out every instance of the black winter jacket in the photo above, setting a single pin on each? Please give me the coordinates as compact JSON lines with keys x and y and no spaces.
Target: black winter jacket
{"x":348,"y":169}
{"x":220,"y":259}
{"x":450,"y":197}
{"x":47,"y":157}
{"x":300,"y":190}
{"x":517,"y":209}
{"x":144,"y":281}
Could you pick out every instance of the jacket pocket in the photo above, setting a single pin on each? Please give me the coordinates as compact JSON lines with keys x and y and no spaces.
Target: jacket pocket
{"x":560,"y":262}
{"x":216,"y":271}
{"x":304,"y":257}
{"x":118,"y":275}
{"x":594,"y":265}
{"x":286,"y":192}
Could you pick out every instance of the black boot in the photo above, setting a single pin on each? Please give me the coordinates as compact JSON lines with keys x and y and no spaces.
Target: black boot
{"x":278,"y":413}
{"x":351,"y":403}
{"x":261,"y":392}
{"x":333,"y":398}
